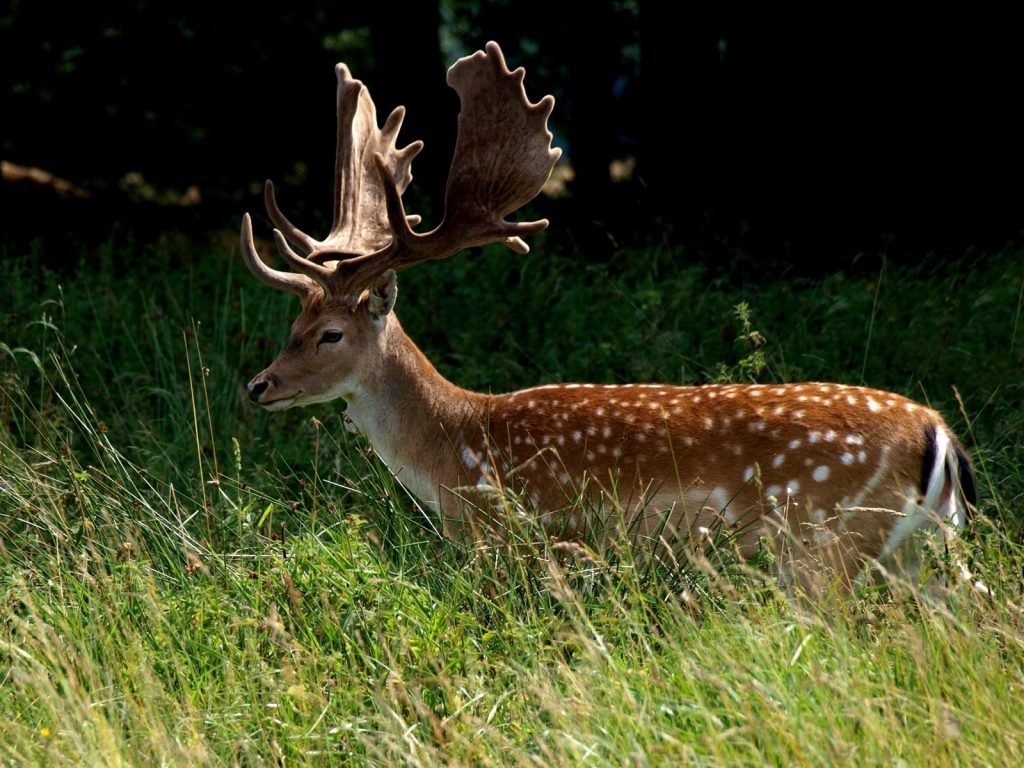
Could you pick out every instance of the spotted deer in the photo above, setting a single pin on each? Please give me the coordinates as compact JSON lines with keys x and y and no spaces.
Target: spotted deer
{"x":834,"y":477}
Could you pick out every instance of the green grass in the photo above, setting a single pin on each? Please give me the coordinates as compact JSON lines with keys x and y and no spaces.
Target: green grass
{"x":185,"y":580}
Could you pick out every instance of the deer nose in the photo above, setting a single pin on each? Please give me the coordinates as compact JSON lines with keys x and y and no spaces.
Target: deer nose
{"x":256,"y":388}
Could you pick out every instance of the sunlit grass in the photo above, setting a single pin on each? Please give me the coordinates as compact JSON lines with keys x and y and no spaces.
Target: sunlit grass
{"x":186,"y":581}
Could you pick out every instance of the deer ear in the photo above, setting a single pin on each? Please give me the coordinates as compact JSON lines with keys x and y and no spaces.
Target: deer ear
{"x":383,"y":293}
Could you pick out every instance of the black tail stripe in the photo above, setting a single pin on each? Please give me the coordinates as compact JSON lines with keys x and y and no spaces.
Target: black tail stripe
{"x":928,"y":457}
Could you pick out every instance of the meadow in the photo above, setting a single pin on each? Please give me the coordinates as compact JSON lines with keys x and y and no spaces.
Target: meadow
{"x":186,"y":580}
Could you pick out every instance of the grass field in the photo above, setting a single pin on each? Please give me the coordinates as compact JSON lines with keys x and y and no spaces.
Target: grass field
{"x":186,"y":580}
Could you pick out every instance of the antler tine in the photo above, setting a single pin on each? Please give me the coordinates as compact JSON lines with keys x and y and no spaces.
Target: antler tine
{"x":311,"y":269}
{"x":300,"y":285}
{"x":293,"y":234}
{"x":502,"y":158}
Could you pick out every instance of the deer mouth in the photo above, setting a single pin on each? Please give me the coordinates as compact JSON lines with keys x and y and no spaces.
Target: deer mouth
{"x":279,"y":405}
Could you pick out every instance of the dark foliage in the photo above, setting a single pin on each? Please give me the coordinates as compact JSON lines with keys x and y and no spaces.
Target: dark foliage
{"x":784,"y":140}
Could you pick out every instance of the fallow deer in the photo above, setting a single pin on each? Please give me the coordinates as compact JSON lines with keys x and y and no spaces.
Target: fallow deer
{"x":835,"y":476}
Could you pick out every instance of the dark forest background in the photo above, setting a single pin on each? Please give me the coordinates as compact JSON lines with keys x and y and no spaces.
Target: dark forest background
{"x":796,"y":140}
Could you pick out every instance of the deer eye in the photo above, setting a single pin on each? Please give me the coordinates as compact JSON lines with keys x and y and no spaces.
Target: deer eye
{"x":330,"y":337}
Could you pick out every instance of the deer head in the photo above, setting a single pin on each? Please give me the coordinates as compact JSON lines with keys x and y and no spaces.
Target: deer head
{"x":347,"y":281}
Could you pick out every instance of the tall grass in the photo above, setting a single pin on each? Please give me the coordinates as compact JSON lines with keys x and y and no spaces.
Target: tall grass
{"x":185,"y":580}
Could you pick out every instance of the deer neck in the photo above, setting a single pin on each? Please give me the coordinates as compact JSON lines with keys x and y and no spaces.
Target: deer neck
{"x":414,"y":418}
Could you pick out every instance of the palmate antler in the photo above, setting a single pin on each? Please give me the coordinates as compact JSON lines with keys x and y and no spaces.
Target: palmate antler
{"x":502,"y":158}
